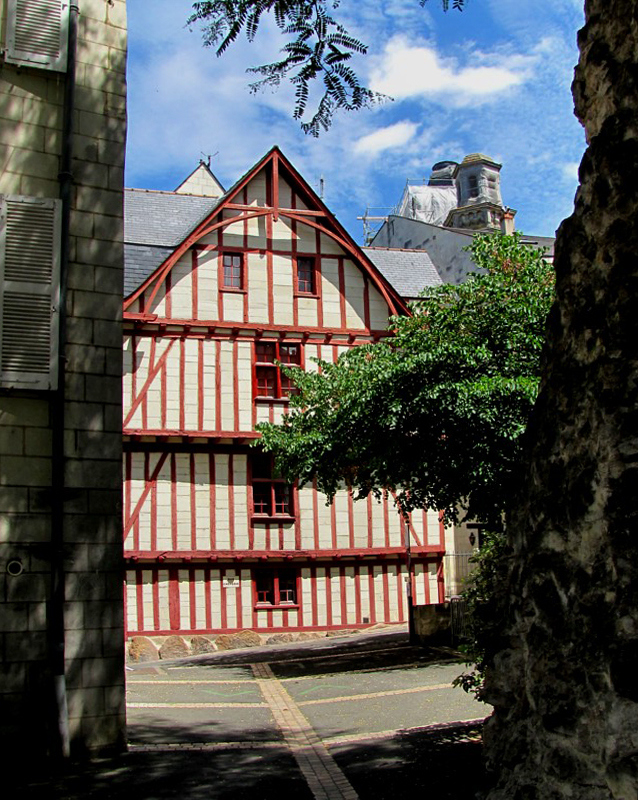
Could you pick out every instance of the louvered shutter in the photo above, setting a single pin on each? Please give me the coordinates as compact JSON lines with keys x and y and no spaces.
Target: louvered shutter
{"x":37,"y":33}
{"x":29,"y":291}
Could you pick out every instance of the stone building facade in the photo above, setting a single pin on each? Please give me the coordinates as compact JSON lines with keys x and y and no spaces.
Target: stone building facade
{"x":62,"y":136}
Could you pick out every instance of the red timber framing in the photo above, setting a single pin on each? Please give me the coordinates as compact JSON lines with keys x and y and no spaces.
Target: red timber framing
{"x":210,"y":545}
{"x":215,"y":597}
{"x":273,"y":163}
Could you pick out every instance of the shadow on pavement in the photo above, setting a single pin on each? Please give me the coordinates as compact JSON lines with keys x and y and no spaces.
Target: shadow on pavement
{"x":323,"y":656}
{"x":158,"y":731}
{"x":188,"y":775}
{"x":445,"y":765}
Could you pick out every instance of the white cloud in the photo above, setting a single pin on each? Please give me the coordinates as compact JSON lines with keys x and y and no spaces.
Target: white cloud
{"x":506,"y":96}
{"x":570,"y":171}
{"x":392,"y":136}
{"x":405,"y":70}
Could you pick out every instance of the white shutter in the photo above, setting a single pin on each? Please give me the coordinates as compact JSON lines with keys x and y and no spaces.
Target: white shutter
{"x":29,"y":291}
{"x":37,"y":33}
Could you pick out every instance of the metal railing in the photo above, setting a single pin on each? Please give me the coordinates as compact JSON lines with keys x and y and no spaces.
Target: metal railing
{"x":458,"y":619}
{"x":456,"y":568}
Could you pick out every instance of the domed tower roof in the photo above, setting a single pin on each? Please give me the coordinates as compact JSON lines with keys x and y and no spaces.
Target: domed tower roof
{"x":443,"y":173}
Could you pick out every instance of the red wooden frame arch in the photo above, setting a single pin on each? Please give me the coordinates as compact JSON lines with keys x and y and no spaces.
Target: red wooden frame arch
{"x":277,"y":160}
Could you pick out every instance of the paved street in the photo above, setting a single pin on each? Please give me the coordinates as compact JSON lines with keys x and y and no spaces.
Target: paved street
{"x":358,"y":716}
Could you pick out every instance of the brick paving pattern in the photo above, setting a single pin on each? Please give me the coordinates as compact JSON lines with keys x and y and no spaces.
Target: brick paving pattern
{"x":325,"y":779}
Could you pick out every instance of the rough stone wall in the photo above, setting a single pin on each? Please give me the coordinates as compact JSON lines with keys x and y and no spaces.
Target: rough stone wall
{"x":565,"y":682}
{"x":30,"y":145}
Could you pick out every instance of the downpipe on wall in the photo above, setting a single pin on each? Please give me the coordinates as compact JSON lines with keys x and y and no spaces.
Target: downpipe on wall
{"x":61,"y":740}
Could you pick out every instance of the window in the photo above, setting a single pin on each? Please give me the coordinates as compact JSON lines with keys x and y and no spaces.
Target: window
{"x":276,"y":587}
{"x":305,"y":275}
{"x":37,"y":34}
{"x":233,"y":265}
{"x":472,"y":183}
{"x":270,"y":380}
{"x":272,"y":497}
{"x":29,"y":291}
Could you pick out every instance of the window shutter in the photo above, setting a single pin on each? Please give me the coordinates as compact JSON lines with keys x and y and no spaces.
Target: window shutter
{"x":37,"y":33}
{"x":29,"y":291}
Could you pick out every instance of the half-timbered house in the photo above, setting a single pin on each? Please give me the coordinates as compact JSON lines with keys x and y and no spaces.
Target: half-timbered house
{"x":222,"y":288}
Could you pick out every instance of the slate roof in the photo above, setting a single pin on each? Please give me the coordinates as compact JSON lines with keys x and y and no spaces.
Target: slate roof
{"x":140,"y":261}
{"x":409,"y":271}
{"x":162,"y":218}
{"x":155,"y":223}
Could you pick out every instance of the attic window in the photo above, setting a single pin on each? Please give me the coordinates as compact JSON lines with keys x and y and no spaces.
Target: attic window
{"x":305,"y":275}
{"x":233,"y":271}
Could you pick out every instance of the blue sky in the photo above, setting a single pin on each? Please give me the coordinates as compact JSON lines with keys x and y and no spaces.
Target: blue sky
{"x":493,"y":79}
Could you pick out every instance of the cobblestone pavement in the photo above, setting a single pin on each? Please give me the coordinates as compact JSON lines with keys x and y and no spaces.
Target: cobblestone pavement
{"x":331,"y":720}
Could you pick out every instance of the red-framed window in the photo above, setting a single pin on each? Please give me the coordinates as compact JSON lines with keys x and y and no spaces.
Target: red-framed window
{"x":270,"y":380}
{"x":233,"y":271}
{"x":306,"y":275}
{"x":276,"y":587}
{"x":272,"y":496}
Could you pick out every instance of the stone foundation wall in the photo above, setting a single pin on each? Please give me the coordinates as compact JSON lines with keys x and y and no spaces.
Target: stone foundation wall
{"x":161,"y":648}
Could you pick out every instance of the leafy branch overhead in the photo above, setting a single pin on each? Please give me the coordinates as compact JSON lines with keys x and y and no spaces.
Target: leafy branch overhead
{"x":437,"y":411}
{"x":318,"y":48}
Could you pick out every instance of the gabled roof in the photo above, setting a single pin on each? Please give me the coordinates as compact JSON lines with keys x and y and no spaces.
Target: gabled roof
{"x":201,"y":181}
{"x":190,"y":219}
{"x":162,"y":218}
{"x":409,"y":271}
{"x":154,"y":224}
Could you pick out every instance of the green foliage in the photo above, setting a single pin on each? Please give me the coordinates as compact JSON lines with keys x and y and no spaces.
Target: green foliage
{"x":485,"y":600}
{"x":436,"y":411}
{"x":318,"y":47}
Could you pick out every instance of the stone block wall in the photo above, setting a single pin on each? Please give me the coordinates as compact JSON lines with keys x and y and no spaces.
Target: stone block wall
{"x":432,"y":623}
{"x":31,"y":119}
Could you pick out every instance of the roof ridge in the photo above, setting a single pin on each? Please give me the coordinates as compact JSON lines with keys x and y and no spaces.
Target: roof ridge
{"x":396,"y":249}
{"x":156,"y":191}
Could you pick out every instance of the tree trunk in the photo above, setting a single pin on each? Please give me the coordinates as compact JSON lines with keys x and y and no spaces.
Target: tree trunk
{"x":565,"y":681}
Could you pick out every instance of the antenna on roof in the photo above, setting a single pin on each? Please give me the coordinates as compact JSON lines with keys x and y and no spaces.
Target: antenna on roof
{"x":372,"y":222}
{"x":208,"y":157}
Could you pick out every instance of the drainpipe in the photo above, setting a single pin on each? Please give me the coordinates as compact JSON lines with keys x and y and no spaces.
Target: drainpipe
{"x":61,"y":745}
{"x":412,"y":637}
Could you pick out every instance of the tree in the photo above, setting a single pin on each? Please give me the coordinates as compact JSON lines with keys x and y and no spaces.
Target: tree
{"x":434,"y":413}
{"x":318,"y":47}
